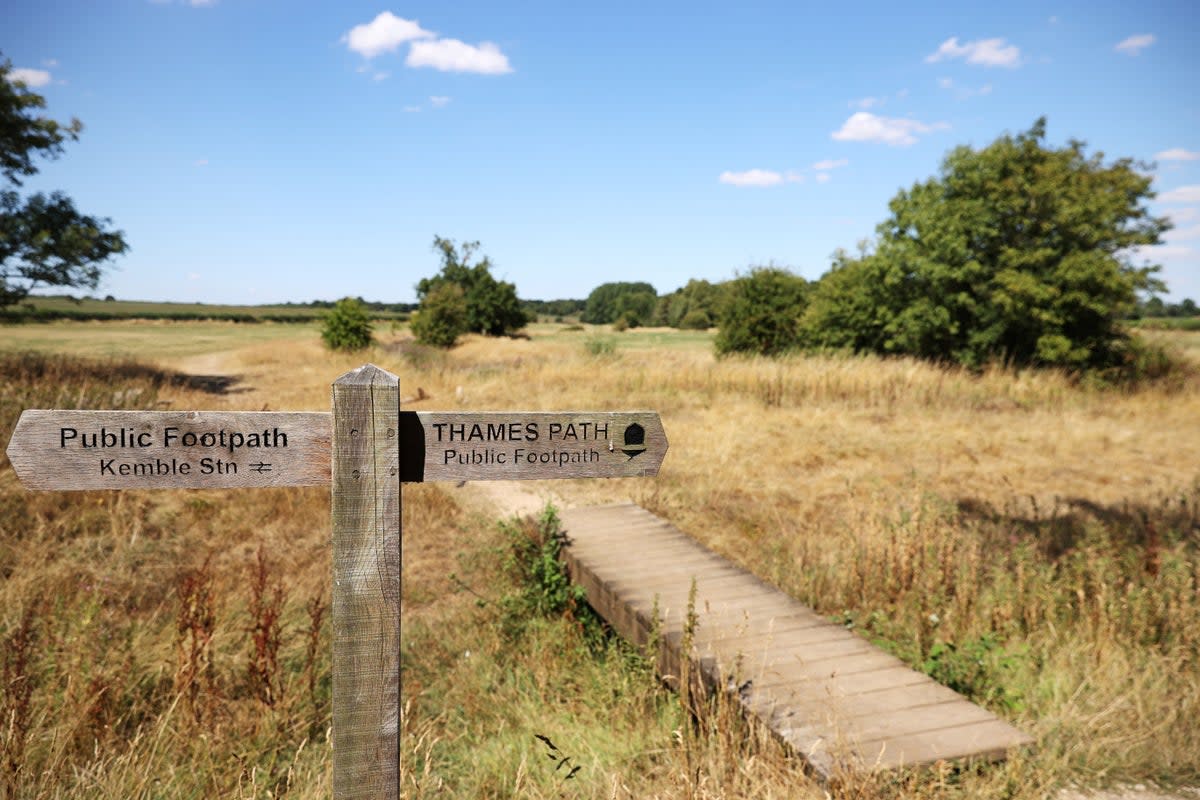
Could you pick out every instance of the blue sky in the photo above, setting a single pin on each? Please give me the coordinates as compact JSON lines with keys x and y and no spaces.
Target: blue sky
{"x":258,"y":151}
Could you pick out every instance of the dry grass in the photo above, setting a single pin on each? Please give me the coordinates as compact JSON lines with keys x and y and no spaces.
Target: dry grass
{"x":1029,"y":540}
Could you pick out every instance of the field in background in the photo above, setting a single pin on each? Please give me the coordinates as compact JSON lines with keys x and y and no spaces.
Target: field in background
{"x":1028,"y":541}
{"x":58,"y":307}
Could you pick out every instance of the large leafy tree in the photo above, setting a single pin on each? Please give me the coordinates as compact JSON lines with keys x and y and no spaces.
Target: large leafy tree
{"x":44,"y":240}
{"x":491,"y":306}
{"x":1018,"y":252}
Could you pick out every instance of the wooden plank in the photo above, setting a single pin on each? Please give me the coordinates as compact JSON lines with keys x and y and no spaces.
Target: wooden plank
{"x":366,"y":585}
{"x":73,"y":450}
{"x":831,"y":695}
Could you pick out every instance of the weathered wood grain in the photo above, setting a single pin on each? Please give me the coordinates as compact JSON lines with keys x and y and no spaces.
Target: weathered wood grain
{"x":69,"y":449}
{"x":837,"y":700}
{"x":531,"y":445}
{"x":366,"y":585}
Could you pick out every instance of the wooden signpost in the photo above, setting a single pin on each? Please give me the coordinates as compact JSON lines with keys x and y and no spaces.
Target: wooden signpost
{"x":363,"y":450}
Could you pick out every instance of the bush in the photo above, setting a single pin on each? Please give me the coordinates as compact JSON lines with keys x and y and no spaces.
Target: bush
{"x":442,"y":317}
{"x":490,"y":307}
{"x":346,"y":326}
{"x":1015,"y":253}
{"x":762,"y":313}
{"x":695,"y":320}
{"x":611,"y":302}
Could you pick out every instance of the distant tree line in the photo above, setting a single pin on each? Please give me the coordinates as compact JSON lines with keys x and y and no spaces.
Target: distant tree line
{"x":1156,"y":307}
{"x":1017,"y":253}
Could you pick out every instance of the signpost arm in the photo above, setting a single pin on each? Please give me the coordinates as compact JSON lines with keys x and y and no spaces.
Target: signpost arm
{"x":366,"y":585}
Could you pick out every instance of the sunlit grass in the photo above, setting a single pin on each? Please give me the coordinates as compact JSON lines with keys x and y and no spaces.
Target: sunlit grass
{"x":1027,"y":539}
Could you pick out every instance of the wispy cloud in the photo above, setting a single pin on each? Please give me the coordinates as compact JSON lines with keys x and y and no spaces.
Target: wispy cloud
{"x":384,"y":34}
{"x":1190,"y":232}
{"x":1135,"y":44}
{"x":439,"y":101}
{"x":864,"y":126}
{"x":867,"y":102}
{"x":830,"y":163}
{"x":1177,"y":154}
{"x":200,"y":162}
{"x":984,"y":52}
{"x":451,"y":55}
{"x":1182,"y":215}
{"x":33,"y":78}
{"x":964,"y":92}
{"x":822,"y":177}
{"x":1184,"y":194}
{"x":751,"y":177}
{"x":412,"y":109}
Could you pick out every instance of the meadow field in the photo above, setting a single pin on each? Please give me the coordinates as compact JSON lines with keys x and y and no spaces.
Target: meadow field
{"x":1031,"y":540}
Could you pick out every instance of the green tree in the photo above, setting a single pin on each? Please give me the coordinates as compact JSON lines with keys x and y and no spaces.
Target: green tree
{"x":1018,"y":252}
{"x":442,"y":317}
{"x":44,"y":240}
{"x":761,"y":313}
{"x":695,"y":306}
{"x":492,"y":306}
{"x":346,"y":326}
{"x":610,"y":302}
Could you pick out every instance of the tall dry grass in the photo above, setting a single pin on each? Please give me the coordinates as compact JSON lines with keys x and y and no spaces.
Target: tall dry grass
{"x":1026,"y":539}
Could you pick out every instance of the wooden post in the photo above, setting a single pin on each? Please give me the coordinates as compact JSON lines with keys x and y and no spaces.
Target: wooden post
{"x":366,"y":585}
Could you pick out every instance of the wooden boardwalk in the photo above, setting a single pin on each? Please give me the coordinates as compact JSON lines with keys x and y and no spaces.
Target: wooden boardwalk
{"x":836,"y":699}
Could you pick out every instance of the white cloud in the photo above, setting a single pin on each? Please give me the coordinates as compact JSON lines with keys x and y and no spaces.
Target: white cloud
{"x":1184,"y":194}
{"x":1190,"y":232}
{"x":866,"y":102}
{"x":830,"y":163}
{"x":897,"y":132}
{"x":1160,"y":251}
{"x":451,"y":55}
{"x":1053,"y":20}
{"x":439,"y":101}
{"x":1177,"y":154}
{"x":1181,"y":215}
{"x":793,"y":177}
{"x":1135,"y":44}
{"x":32,"y":78}
{"x":383,"y":34}
{"x":380,"y":76}
{"x":200,"y":162}
{"x":903,"y":93}
{"x":822,"y":177}
{"x":984,"y":52}
{"x":193,"y":276}
{"x":49,"y":62}
{"x":751,"y":177}
{"x":945,"y":83}
{"x":412,"y":109}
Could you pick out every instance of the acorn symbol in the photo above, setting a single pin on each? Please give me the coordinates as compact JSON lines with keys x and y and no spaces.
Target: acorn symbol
{"x":635,"y":441}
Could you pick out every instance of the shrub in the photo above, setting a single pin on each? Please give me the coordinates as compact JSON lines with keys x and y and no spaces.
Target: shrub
{"x":490,"y":306}
{"x":442,"y":317}
{"x":1016,"y":253}
{"x":762,"y":313}
{"x":346,"y":326}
